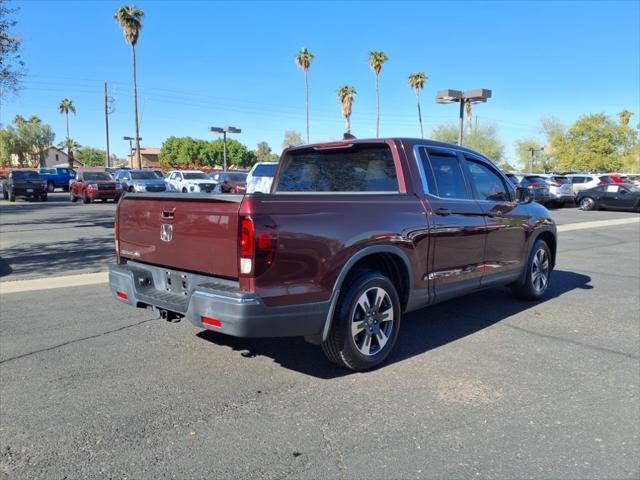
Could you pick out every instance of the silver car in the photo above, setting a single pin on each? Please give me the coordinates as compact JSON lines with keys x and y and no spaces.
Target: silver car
{"x":560,"y":189}
{"x":140,"y":181}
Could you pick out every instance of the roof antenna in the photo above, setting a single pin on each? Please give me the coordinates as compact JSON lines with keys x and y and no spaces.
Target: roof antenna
{"x":348,"y":136}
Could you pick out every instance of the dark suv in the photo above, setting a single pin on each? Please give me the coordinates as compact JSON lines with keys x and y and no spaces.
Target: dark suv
{"x":24,"y":183}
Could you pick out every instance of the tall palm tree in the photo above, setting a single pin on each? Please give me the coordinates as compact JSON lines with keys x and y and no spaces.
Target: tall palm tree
{"x":346,"y":95}
{"x":64,"y":108}
{"x":376,"y":60}
{"x":130,"y":19}
{"x":625,"y":117}
{"x":303,"y":60}
{"x":417,"y":81}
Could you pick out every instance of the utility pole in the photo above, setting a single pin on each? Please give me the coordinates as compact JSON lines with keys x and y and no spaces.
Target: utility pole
{"x":106,"y":123}
{"x":533,"y":150}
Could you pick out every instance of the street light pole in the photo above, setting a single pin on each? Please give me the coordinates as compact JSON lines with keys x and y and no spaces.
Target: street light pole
{"x":456,"y":96}
{"x":131,"y":139}
{"x":532,"y":150}
{"x":224,"y":131}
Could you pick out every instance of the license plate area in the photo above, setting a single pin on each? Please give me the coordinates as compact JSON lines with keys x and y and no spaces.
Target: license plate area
{"x":175,"y":282}
{"x":29,"y":190}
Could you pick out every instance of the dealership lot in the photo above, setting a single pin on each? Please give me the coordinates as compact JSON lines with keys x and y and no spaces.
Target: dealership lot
{"x":483,"y":387}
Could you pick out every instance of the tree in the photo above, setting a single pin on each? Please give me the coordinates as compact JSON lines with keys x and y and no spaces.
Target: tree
{"x":64,"y":108}
{"x":376,"y":60}
{"x":187,"y":151}
{"x":346,"y":96}
{"x":482,"y":139}
{"x":303,"y":60}
{"x":595,"y":143}
{"x":11,"y":65}
{"x":263,"y":153}
{"x":71,"y":145}
{"x":625,"y":117}
{"x":91,"y":157}
{"x":26,"y":139}
{"x":291,"y":139}
{"x":130,"y":19}
{"x":417,"y":81}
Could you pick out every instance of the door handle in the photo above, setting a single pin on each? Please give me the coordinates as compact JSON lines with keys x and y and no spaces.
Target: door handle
{"x":168,"y":213}
{"x":494,"y":213}
{"x":443,"y":212}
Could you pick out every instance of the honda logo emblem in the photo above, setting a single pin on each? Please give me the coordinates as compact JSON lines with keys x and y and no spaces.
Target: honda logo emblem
{"x":166,"y":232}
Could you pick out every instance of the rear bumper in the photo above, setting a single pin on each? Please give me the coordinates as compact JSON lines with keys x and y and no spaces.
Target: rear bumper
{"x":240,"y":314}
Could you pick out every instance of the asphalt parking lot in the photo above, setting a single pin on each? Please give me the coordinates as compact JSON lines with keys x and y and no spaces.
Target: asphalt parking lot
{"x":479,"y":387}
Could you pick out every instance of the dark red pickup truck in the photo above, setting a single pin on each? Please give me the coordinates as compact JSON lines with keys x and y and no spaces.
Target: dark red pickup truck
{"x":352,"y":235}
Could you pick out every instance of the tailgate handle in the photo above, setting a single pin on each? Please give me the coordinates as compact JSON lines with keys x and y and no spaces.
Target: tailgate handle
{"x":169,"y":213}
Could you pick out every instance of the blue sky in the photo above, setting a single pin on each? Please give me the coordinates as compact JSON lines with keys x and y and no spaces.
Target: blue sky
{"x":231,"y":63}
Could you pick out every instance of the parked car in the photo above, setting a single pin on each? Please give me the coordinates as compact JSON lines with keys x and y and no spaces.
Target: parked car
{"x":583,"y":181}
{"x":635,"y":180}
{"x":140,"y":181}
{"x":560,"y":189}
{"x":230,"y":182}
{"x":513,"y":178}
{"x":24,"y":183}
{"x":3,"y":183}
{"x":353,"y":235}
{"x":261,"y":176}
{"x":57,"y":177}
{"x":92,"y":186}
{"x":614,"y":196}
{"x":538,"y":186}
{"x":191,"y":181}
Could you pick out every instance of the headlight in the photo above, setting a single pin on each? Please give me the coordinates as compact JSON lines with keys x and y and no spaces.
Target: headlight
{"x":118,"y":186}
{"x":93,"y":186}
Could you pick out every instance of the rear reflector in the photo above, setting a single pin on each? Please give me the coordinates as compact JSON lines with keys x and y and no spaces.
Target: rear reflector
{"x":246,"y":264}
{"x":122,"y":295}
{"x":212,"y":321}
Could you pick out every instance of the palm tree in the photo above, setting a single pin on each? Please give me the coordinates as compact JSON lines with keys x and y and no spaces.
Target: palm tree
{"x":376,"y":60}
{"x":417,"y":81}
{"x":65,"y":107}
{"x":625,"y":117}
{"x":130,"y":19}
{"x":70,"y":144}
{"x":346,"y":95}
{"x":303,"y":60}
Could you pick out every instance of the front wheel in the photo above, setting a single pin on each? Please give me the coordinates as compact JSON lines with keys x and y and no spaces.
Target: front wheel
{"x":12,"y":196}
{"x":587,"y":203}
{"x":50,"y":187}
{"x":85,"y":198}
{"x":5,"y":194}
{"x":43,"y":197}
{"x":366,"y":323}
{"x":537,"y":275}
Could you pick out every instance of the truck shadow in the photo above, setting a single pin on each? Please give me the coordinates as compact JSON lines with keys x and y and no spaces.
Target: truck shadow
{"x":421,"y":331}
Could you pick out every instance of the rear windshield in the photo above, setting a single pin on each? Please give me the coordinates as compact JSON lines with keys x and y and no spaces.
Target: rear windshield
{"x":48,"y":171}
{"x":265,"y":171}
{"x":353,"y":169}
{"x":26,"y":175}
{"x":195,"y":176}
{"x":560,"y":180}
{"x":534,"y":179}
{"x":238,"y":177}
{"x":97,"y":176}
{"x":149,"y":175}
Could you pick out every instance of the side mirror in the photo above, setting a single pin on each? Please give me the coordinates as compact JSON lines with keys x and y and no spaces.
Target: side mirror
{"x":523,"y":195}
{"x":622,"y":190}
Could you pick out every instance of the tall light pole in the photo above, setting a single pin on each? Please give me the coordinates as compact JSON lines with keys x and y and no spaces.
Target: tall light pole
{"x":224,"y":131}
{"x":108,"y":110}
{"x":479,"y":95}
{"x":131,"y":139}
{"x":533,"y":150}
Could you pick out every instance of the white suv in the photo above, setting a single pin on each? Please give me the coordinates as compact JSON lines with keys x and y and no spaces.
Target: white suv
{"x":560,"y":189}
{"x":582,"y":181}
{"x":189,"y":181}
{"x":261,"y":176}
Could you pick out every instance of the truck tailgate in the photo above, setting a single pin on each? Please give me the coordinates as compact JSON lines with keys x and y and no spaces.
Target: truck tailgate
{"x":189,"y":232}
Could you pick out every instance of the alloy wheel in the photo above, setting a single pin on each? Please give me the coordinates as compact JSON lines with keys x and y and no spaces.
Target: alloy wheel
{"x":372,"y":321}
{"x":540,"y":271}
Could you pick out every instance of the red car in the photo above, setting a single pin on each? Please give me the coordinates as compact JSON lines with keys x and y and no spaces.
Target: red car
{"x":230,"y":182}
{"x":91,"y":186}
{"x":352,"y":235}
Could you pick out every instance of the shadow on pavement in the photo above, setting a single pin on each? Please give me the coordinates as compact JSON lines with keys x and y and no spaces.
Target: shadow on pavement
{"x":421,"y":331}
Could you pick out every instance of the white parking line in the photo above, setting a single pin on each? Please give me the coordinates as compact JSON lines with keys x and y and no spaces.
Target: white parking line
{"x":19,"y":286}
{"x":47,"y":283}
{"x":597,"y":224}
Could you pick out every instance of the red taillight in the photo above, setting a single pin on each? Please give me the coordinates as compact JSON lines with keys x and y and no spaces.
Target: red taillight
{"x":211,"y":321}
{"x":122,"y":295}
{"x":247,"y":245}
{"x":535,"y":185}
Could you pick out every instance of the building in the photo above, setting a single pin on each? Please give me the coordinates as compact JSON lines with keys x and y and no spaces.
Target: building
{"x":54,"y":157}
{"x":150,"y":157}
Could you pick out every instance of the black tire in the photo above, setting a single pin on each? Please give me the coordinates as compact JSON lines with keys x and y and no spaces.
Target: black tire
{"x":12,"y":196}
{"x":184,"y":190}
{"x":72,"y":197}
{"x":529,"y":288}
{"x":341,"y":346}
{"x":50,"y":187}
{"x":85,"y":197}
{"x":588,"y":203}
{"x":44,"y":197}
{"x":130,"y":190}
{"x":5,"y":194}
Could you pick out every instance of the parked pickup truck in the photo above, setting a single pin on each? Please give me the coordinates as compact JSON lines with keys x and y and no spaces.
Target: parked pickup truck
{"x":24,"y":183}
{"x":353,"y":235}
{"x":57,"y":177}
{"x":92,"y":186}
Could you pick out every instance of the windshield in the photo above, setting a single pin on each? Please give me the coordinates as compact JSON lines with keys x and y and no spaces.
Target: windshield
{"x":632,"y":188}
{"x":195,"y":176}
{"x":26,"y":175}
{"x":145,"y":175}
{"x":97,"y":176}
{"x":265,"y":171}
{"x":238,"y":177}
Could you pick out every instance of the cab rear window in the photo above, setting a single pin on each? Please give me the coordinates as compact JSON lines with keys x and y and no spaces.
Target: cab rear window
{"x":358,"y":168}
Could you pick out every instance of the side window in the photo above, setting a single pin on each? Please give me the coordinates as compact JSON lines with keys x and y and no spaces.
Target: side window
{"x":488,"y":184}
{"x":444,"y":174}
{"x":612,"y":188}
